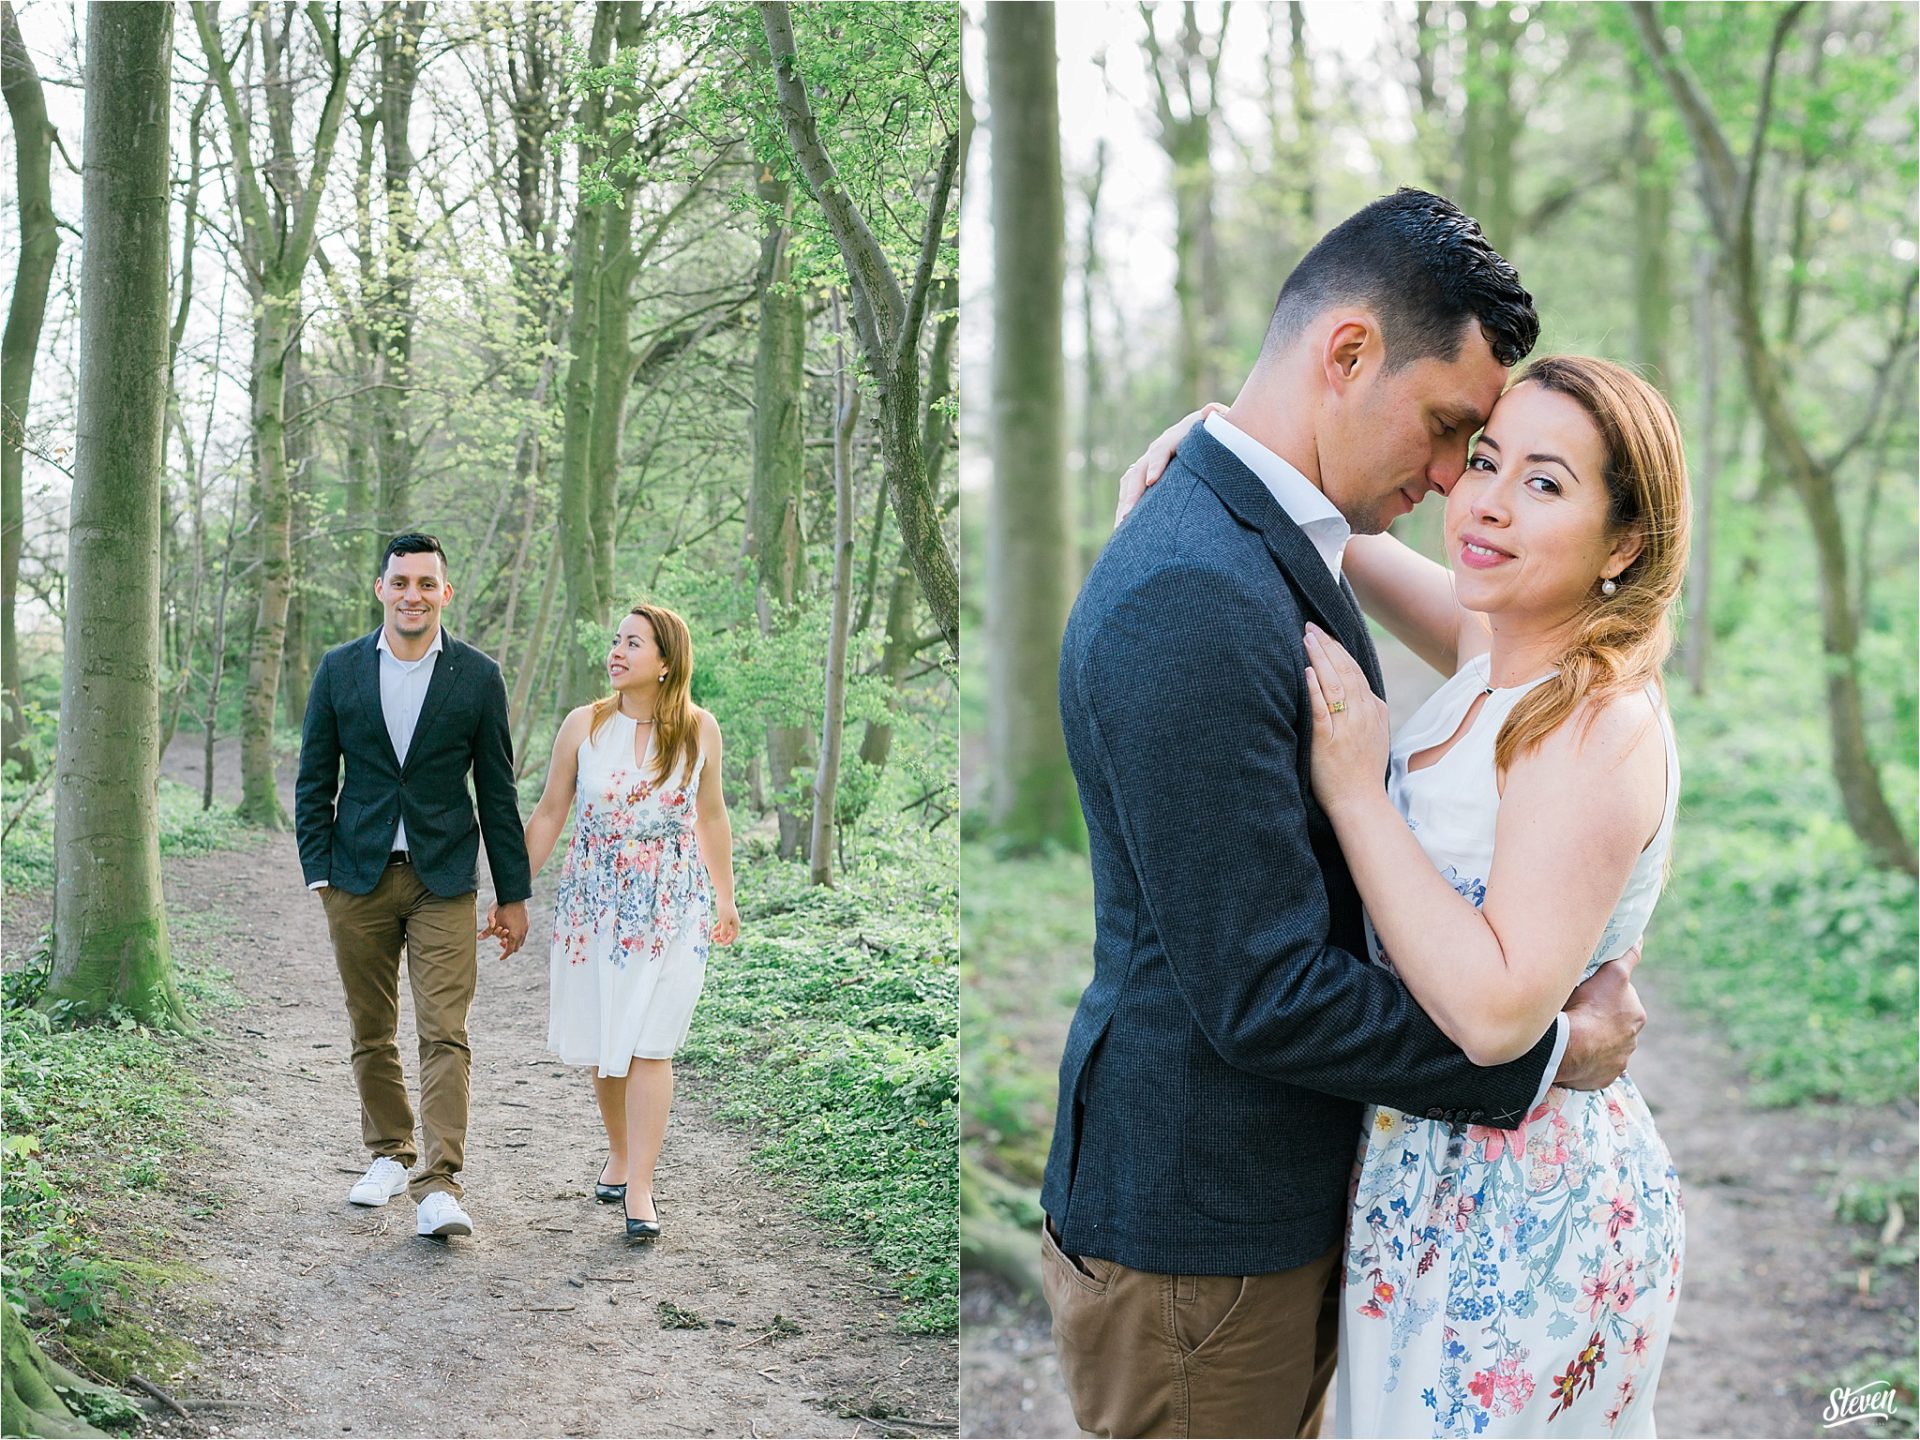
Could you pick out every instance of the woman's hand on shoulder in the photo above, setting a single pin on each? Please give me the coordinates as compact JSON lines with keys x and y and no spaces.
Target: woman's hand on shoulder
{"x":1141,"y":475}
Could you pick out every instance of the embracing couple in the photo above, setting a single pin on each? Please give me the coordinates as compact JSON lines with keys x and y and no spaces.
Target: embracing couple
{"x":391,"y":849}
{"x":1347,"y":1085}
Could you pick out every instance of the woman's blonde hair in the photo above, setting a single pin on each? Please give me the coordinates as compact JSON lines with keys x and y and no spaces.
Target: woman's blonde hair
{"x":676,"y":737}
{"x":1623,"y":638}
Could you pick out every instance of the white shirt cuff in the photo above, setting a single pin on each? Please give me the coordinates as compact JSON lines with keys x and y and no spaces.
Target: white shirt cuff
{"x":1563,"y":1027}
{"x":322,"y":884}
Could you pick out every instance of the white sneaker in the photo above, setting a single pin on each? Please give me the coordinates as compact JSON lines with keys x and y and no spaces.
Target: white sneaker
{"x":385,"y":1178}
{"x":440,"y":1214}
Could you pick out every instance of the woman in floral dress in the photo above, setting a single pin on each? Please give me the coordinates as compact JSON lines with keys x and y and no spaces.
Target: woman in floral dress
{"x":1516,"y":1282}
{"x":648,"y":885}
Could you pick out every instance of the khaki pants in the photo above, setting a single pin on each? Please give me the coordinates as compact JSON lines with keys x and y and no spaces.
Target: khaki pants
{"x":439,"y":935}
{"x":1193,"y":1355}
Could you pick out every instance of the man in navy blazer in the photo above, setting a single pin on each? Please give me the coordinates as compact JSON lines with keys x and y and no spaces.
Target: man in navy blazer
{"x":1214,"y":1077}
{"x":392,"y":850}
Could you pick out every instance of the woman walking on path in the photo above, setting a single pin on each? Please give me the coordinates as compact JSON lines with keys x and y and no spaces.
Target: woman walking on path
{"x":648,"y":885}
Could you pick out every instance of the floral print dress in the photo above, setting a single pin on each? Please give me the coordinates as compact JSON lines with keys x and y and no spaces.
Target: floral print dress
{"x":633,"y":916}
{"x":1508,"y":1282}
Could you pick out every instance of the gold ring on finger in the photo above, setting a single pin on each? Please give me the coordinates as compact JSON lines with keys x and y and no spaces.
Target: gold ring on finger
{"x":1336,"y":707}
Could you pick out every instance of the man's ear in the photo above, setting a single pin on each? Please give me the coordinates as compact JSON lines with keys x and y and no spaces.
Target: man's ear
{"x":1349,"y":351}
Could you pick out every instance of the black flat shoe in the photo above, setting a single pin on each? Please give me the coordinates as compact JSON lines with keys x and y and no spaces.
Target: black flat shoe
{"x":641,"y":1229}
{"x":608,"y":1194}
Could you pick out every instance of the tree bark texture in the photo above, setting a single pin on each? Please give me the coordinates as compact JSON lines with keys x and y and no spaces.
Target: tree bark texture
{"x":39,"y":243}
{"x":583,"y":606}
{"x":779,"y":471}
{"x":397,"y":46}
{"x":1031,"y":796}
{"x":833,"y":722}
{"x":110,"y":942}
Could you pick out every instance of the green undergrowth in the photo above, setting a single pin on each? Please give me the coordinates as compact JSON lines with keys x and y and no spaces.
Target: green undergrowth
{"x":1026,"y":951}
{"x":97,"y":1122}
{"x":27,"y":861}
{"x":1774,"y":923}
{"x":829,"y":1029}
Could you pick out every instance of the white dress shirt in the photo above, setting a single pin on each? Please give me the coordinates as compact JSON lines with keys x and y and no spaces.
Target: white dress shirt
{"x":403,"y":689}
{"x":1308,"y":507}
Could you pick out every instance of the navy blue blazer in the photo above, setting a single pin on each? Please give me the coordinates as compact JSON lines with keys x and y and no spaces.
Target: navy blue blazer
{"x":345,"y":837}
{"x":1215,"y":1073}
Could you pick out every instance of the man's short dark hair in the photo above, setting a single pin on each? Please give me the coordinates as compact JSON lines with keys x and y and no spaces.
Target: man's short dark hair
{"x":1424,"y":268}
{"x":413,"y":543}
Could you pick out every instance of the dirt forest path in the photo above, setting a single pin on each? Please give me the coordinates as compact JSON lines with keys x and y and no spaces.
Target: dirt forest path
{"x":319,"y":1318}
{"x":1772,"y":1314}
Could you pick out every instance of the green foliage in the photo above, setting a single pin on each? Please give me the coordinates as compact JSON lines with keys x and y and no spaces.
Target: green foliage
{"x":830,"y":1029}
{"x":93,"y":1116}
{"x":27,"y":858}
{"x":1774,"y":921}
{"x":1026,"y":929}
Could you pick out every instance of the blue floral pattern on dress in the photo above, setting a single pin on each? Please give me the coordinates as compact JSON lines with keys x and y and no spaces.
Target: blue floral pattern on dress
{"x":633,"y":864}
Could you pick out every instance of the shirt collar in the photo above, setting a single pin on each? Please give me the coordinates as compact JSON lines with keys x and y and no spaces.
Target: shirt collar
{"x":439,"y":634}
{"x":1304,"y":502}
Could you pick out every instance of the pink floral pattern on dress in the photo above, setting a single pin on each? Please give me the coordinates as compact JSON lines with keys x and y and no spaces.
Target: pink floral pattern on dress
{"x":634,"y":866}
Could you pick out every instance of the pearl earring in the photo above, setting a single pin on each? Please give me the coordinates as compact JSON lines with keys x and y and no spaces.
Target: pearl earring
{"x":1607,"y":587}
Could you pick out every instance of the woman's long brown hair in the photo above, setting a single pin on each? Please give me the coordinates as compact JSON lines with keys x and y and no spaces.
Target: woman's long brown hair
{"x":1623,"y":638}
{"x":676,"y":738}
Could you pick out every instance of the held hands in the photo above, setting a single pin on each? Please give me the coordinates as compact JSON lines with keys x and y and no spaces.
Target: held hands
{"x":1604,"y":1019}
{"x":726,"y":923}
{"x":1149,"y":467}
{"x":1349,"y":750}
{"x":507,"y":924}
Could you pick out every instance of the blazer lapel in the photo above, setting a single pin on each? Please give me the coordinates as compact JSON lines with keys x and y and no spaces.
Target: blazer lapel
{"x":437,"y":688}
{"x":1332,"y":602}
{"x":366,"y":676}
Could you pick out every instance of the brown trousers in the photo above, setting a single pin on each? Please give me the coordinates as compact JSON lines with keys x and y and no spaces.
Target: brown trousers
{"x":1193,"y":1355}
{"x":441,"y":944}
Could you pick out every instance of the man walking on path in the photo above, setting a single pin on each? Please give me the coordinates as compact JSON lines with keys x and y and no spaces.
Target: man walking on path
{"x":392,"y":851}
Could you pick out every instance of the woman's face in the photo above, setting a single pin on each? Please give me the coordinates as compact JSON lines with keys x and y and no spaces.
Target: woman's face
{"x":634,"y":661}
{"x":1527,"y":532}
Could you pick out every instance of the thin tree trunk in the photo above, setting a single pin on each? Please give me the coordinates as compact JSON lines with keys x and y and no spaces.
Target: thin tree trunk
{"x":887,"y":320}
{"x":1703,"y":475}
{"x":583,"y":608}
{"x":397,"y":44}
{"x":779,"y":474}
{"x":110,"y":941}
{"x":1031,"y":795}
{"x":39,"y":243}
{"x":846,"y":413}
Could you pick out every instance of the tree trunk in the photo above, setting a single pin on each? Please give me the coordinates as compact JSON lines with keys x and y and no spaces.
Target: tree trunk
{"x":1031,"y":796}
{"x":1652,"y":224}
{"x":397,"y":44}
{"x":110,"y":943}
{"x":887,"y":320}
{"x":833,"y":724}
{"x":33,"y":1384}
{"x":1191,"y":70}
{"x":613,"y":350}
{"x":39,"y":242}
{"x":1703,"y":476}
{"x":583,"y":608}
{"x":779,"y":472}
{"x":1727,"y":199}
{"x":277,"y":241}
